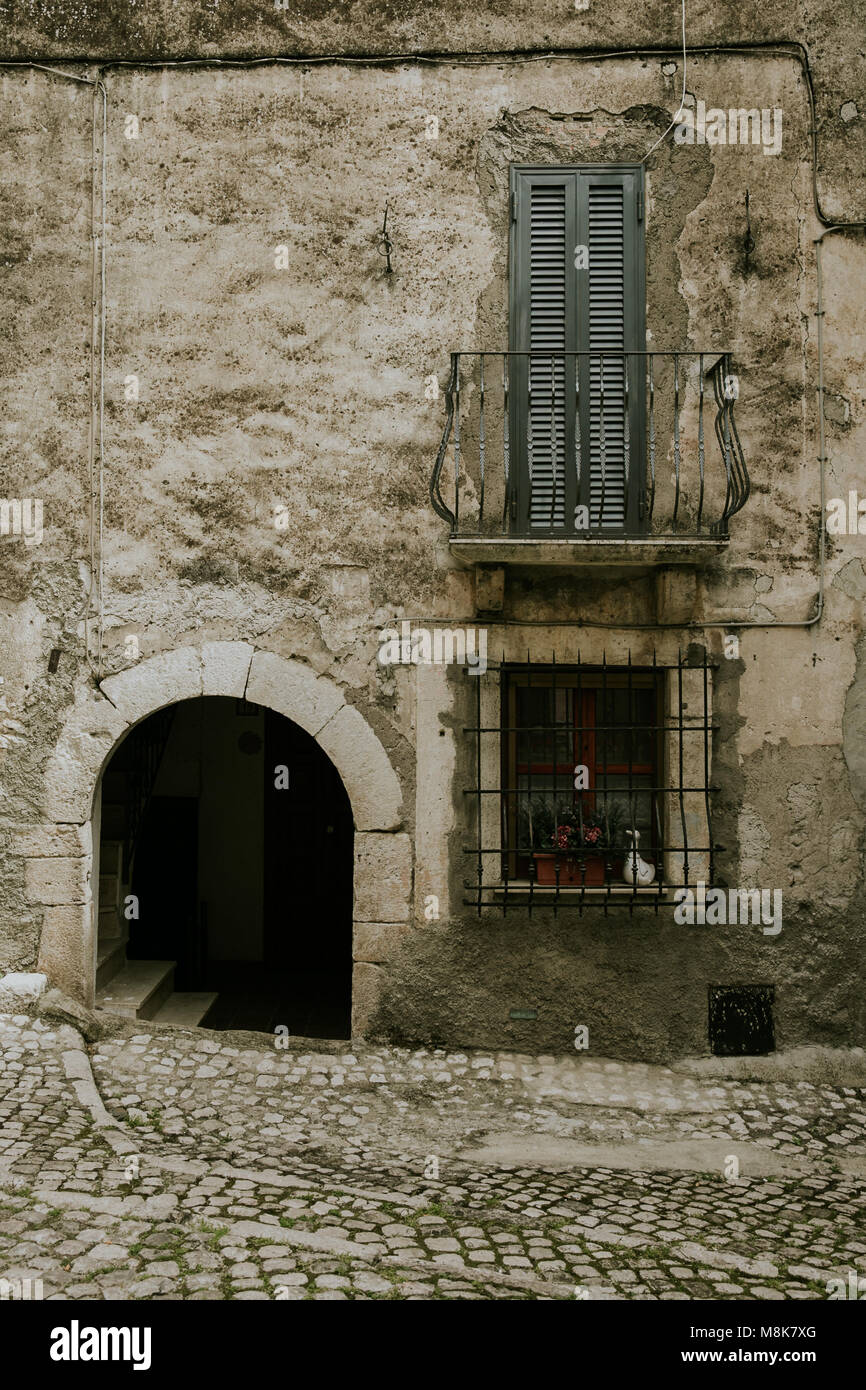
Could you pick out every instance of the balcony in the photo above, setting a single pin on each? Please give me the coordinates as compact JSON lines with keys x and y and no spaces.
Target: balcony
{"x":593,"y":458}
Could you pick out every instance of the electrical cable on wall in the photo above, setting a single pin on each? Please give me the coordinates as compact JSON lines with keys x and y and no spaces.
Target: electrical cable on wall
{"x":682,"y":98}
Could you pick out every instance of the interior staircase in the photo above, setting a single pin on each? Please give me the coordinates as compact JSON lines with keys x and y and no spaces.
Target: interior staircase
{"x":134,"y":988}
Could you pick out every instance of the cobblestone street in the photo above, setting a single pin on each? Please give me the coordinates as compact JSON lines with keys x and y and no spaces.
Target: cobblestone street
{"x":201,"y":1170}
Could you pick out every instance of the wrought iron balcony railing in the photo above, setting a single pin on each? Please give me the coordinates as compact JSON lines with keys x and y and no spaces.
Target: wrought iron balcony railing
{"x":590,"y":445}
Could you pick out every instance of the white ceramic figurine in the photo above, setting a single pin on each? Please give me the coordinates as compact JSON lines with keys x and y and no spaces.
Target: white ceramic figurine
{"x":635,"y":869}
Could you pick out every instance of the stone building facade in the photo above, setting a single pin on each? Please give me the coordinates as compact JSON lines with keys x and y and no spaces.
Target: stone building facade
{"x":228,"y":383}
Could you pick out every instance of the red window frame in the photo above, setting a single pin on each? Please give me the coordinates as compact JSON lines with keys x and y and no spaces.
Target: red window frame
{"x":585,"y":745}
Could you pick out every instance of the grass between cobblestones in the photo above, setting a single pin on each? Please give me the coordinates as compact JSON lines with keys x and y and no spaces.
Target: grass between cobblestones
{"x":208,"y":1145}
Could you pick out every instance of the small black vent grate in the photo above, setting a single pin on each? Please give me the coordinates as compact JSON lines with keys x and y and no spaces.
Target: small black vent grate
{"x":741,"y":1020}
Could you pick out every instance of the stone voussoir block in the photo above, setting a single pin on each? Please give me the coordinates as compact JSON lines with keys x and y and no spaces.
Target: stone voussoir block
{"x":293,"y":689}
{"x":155,"y":682}
{"x":364,"y":766}
{"x":92,"y":729}
{"x":383,"y":877}
{"x":225,"y":668}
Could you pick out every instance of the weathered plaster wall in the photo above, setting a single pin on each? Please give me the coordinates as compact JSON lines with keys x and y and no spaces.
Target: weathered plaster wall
{"x":830,"y":36}
{"x":303,"y":388}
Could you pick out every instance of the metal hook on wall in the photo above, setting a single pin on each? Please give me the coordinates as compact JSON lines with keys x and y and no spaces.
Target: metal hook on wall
{"x":386,"y":244}
{"x":748,"y":239}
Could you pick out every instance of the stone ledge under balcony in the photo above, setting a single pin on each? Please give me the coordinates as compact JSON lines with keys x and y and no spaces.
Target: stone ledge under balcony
{"x":633,"y":554}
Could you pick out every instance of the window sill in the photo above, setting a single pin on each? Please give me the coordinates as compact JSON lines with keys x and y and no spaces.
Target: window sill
{"x":522,"y":888}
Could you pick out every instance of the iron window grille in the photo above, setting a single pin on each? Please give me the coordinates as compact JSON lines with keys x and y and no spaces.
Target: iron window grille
{"x":599,"y":750}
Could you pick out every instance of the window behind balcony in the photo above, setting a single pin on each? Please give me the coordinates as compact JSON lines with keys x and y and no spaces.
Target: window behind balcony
{"x":577,"y":287}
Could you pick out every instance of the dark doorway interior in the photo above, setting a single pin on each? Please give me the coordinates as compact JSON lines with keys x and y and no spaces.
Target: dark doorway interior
{"x":238,"y":850}
{"x":164,"y":880}
{"x":305,"y":976}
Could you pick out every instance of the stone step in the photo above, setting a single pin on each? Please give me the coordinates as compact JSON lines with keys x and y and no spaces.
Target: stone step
{"x":110,"y":958}
{"x":138,"y":990}
{"x":111,"y":923}
{"x":186,"y":1009}
{"x":109,"y":888}
{"x":110,"y":857}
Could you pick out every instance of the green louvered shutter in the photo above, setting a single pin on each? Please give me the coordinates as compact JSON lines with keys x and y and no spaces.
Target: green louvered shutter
{"x":567,"y":456}
{"x":547,"y":319}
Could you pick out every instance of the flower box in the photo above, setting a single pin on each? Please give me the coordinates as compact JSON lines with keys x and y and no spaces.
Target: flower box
{"x":576,"y":871}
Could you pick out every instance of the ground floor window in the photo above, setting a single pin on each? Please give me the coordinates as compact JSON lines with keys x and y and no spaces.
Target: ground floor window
{"x":592,"y":782}
{"x":582,"y":753}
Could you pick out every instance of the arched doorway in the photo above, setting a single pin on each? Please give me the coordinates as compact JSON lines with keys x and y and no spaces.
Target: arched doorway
{"x":225,"y":887}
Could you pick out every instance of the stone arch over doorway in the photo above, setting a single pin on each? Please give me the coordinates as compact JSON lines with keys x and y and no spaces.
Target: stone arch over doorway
{"x":60,"y":855}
